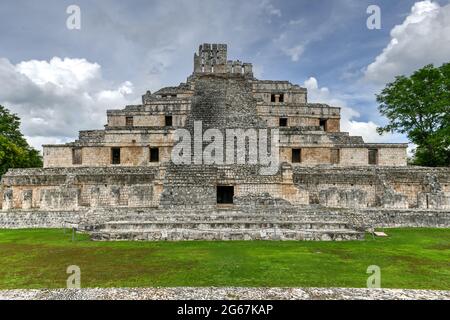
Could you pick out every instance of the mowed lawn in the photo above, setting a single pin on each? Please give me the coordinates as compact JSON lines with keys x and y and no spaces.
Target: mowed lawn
{"x":408,"y":258}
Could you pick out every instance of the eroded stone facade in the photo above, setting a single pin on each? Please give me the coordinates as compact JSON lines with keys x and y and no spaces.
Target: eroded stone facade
{"x":129,"y":163}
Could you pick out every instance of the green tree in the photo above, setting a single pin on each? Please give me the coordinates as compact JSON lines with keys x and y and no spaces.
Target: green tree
{"x":14,"y":149}
{"x":419,"y":106}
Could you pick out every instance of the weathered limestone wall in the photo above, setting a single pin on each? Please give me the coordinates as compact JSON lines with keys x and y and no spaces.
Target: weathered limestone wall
{"x":392,"y":156}
{"x":118,"y":138}
{"x":356,"y":187}
{"x":101,"y":156}
{"x":287,"y":192}
{"x":292,"y":93}
{"x":354,"y":156}
{"x":313,"y":156}
{"x":373,"y":218}
{"x":333,"y":125}
{"x":94,"y":156}
{"x":293,"y":121}
{"x":146,"y":120}
{"x":387,"y":187}
{"x":359,"y":156}
{"x":74,"y":188}
{"x":57,"y":156}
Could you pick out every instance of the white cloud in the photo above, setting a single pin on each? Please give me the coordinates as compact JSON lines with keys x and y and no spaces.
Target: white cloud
{"x":123,"y":90}
{"x":348,"y":123}
{"x":57,"y":98}
{"x":38,"y":141}
{"x":295,"y":52}
{"x":67,"y":73}
{"x":422,"y":38}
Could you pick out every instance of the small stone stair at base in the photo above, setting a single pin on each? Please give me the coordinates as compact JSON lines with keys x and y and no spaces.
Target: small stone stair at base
{"x":228,"y":234}
{"x":164,"y":227}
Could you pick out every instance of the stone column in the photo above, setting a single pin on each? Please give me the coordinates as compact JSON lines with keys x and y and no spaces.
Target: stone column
{"x":115,"y":196}
{"x":27,"y":199}
{"x":7,"y":199}
{"x":95,"y":197}
{"x":287,"y":173}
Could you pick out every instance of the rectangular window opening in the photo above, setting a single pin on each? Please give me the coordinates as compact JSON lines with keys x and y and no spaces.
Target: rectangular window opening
{"x":76,"y":156}
{"x":154,"y":154}
{"x":115,"y":155}
{"x":225,"y":194}
{"x":373,"y":156}
{"x":323,"y":124}
{"x":283,"y":122}
{"x":276,"y":97}
{"x":168,"y":121}
{"x":296,"y":155}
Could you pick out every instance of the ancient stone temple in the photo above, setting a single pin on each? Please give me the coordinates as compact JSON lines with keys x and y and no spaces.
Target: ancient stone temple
{"x":225,"y":156}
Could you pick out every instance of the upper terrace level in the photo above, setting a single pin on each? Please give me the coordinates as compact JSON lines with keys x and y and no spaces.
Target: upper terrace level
{"x":310,"y":132}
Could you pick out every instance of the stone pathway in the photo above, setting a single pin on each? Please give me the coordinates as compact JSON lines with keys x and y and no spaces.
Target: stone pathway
{"x":208,"y":293}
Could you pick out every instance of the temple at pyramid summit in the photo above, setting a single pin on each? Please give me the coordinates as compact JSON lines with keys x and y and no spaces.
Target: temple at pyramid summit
{"x":225,"y":156}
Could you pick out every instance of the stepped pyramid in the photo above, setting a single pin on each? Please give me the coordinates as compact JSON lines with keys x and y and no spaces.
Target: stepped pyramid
{"x":125,"y":181}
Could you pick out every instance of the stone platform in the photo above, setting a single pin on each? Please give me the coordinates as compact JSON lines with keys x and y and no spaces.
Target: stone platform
{"x":230,"y":223}
{"x":225,"y":230}
{"x":283,"y":223}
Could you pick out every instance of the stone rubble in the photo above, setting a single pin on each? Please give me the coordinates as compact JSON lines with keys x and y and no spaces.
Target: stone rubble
{"x":226,"y":293}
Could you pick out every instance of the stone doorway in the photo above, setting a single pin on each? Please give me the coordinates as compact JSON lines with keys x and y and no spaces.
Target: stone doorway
{"x":225,"y":194}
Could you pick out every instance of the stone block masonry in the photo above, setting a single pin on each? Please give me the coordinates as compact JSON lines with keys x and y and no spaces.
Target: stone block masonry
{"x":122,"y":183}
{"x":224,"y":293}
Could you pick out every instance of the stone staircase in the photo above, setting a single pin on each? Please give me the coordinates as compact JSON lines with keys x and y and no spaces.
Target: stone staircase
{"x":227,"y":224}
{"x":219,"y":103}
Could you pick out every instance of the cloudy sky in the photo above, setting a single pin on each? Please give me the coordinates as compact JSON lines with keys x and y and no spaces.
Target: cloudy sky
{"x":61,"y":81}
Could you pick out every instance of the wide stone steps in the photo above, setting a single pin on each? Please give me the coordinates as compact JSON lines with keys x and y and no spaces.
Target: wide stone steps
{"x":236,"y":218}
{"x":214,"y":214}
{"x":176,"y":227}
{"x":204,"y":225}
{"x":227,"y":234}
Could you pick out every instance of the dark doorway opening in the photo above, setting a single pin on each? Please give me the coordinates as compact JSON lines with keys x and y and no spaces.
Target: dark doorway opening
{"x":296,"y":155}
{"x":225,"y":194}
{"x":154,"y":154}
{"x":283,"y":122}
{"x":115,"y":155}
{"x":323,"y":124}
{"x":168,"y":121}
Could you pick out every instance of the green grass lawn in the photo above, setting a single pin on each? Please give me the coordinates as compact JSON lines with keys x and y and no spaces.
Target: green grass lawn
{"x":408,"y":258}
